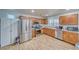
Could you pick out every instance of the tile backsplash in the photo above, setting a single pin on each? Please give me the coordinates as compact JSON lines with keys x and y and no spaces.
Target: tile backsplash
{"x":71,"y":27}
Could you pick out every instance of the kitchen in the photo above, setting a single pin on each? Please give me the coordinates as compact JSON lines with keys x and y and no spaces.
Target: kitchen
{"x":62,"y":25}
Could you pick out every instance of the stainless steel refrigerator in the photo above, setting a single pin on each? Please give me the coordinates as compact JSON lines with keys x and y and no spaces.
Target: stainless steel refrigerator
{"x":25,"y":29}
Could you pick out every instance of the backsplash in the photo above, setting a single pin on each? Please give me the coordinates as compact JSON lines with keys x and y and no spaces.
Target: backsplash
{"x":71,"y":28}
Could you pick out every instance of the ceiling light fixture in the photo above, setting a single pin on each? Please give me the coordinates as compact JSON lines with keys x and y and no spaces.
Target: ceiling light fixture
{"x":67,"y":9}
{"x":47,"y":15}
{"x":33,"y":11}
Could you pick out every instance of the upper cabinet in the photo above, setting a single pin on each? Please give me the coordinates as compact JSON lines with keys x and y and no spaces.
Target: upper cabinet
{"x":40,"y":21}
{"x":44,"y":21}
{"x":71,"y":19}
{"x":35,"y":20}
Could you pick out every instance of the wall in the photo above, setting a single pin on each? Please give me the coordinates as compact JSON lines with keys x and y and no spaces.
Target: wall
{"x":8,"y":30}
{"x":53,"y":21}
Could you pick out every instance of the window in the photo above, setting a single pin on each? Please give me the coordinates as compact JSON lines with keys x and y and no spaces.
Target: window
{"x":53,"y":21}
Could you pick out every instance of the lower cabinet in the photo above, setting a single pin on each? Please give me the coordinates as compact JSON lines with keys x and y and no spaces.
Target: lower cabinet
{"x":33,"y":33}
{"x":65,"y":36}
{"x":70,"y":37}
{"x":50,"y":32}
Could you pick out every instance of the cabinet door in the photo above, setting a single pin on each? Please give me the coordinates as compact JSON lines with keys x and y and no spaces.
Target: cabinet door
{"x":33,"y":33}
{"x":62,"y":20}
{"x":52,"y":32}
{"x":73,"y":38}
{"x":44,"y":30}
{"x":72,"y":19}
{"x":69,"y":19}
{"x":45,"y":21}
{"x":65,"y":36}
{"x":70,"y":37}
{"x":42,"y":21}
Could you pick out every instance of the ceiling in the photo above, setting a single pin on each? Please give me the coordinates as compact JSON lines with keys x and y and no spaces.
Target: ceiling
{"x":37,"y":12}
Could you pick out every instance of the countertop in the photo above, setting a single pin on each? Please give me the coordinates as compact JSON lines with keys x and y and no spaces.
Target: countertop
{"x":58,"y":29}
{"x":35,"y":29}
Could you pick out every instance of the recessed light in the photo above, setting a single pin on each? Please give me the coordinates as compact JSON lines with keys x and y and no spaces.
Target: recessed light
{"x":46,"y":14}
{"x":33,"y":11}
{"x":67,"y":9}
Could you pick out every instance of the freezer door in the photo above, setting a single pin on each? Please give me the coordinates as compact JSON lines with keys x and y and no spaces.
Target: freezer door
{"x":25,"y":30}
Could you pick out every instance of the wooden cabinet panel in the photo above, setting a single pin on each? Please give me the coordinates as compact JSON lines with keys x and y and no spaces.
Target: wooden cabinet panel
{"x":33,"y":33}
{"x":69,"y":19}
{"x":73,"y":38}
{"x":73,"y":19}
{"x":35,"y":20}
{"x":40,"y":21}
{"x":43,"y":21}
{"x":62,"y":20}
{"x":70,"y":37}
{"x":50,"y":32}
{"x":65,"y":36}
{"x":44,"y":30}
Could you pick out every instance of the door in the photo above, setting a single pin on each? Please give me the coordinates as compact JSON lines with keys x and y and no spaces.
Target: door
{"x":5,"y":32}
{"x":14,"y":31}
{"x":24,"y":31}
{"x":5,"y":36}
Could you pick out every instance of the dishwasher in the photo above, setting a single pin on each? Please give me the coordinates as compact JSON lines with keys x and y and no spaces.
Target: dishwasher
{"x":59,"y":32}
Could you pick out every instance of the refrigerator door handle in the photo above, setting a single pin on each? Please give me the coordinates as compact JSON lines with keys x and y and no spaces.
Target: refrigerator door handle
{"x":26,"y":28}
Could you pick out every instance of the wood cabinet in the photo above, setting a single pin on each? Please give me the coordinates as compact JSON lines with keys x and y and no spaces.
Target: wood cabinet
{"x":65,"y":36}
{"x":44,"y":21}
{"x":40,"y":21}
{"x":33,"y":33}
{"x":69,"y":19}
{"x":50,"y":32}
{"x":73,"y":37}
{"x":35,"y":20}
{"x":70,"y":37}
